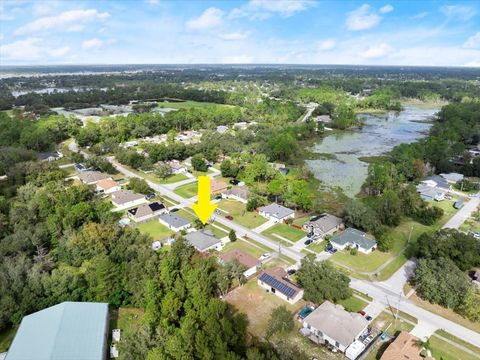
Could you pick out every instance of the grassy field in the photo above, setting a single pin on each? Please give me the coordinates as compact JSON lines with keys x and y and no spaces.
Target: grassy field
{"x":249,"y":219}
{"x":218,"y":233}
{"x":446,"y":351}
{"x":353,"y":304}
{"x":128,"y":320}
{"x":186,"y":213}
{"x":187,"y":104}
{"x":6,"y":338}
{"x":173,"y":179}
{"x":458,"y":341}
{"x":386,"y":322}
{"x":245,"y":247}
{"x":285,"y":231}
{"x":318,"y":247}
{"x":187,"y":191}
{"x":156,"y":230}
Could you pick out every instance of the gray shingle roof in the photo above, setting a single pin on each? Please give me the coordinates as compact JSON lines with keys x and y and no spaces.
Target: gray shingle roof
{"x":92,"y":176}
{"x":277,"y":210}
{"x":67,"y":331}
{"x":174,"y":220}
{"x":354,"y":237}
{"x":325,"y":223}
{"x":202,"y":240}
{"x":121,"y":197}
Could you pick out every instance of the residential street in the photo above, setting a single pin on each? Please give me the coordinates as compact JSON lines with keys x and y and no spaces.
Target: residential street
{"x":387,"y":293}
{"x":463,"y":214}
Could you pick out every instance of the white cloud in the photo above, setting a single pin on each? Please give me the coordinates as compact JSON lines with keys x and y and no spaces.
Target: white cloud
{"x":152,"y":2}
{"x":327,"y":44}
{"x":70,"y":20}
{"x":210,"y":18}
{"x":94,"y":43}
{"x":386,"y":9}
{"x":473,"y":64}
{"x":237,"y":59}
{"x":473,"y":42}
{"x":420,"y":15}
{"x":31,"y":49}
{"x":376,"y":51}
{"x":362,"y":18}
{"x":285,"y":8}
{"x":459,"y":12}
{"x":235,"y":36}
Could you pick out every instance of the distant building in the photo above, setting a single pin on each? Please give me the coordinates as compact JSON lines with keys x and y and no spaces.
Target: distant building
{"x":331,"y":324}
{"x":353,"y":238}
{"x":243,"y":258}
{"x":239,"y":193}
{"x":222,"y":129}
{"x":107,"y":186}
{"x":405,"y":346}
{"x":276,"y":212}
{"x":146,"y":212}
{"x":452,"y":178}
{"x":176,"y":167}
{"x":242,"y":125}
{"x":92,"y":177}
{"x":174,"y":222}
{"x":431,"y":193}
{"x":124,"y":199}
{"x":436,"y":181}
{"x":50,"y":156}
{"x":275,"y":280}
{"x":204,"y":240}
{"x":218,"y":186}
{"x":67,"y":331}
{"x":324,"y":224}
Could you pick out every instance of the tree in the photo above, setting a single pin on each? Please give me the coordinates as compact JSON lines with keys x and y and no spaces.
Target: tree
{"x":321,"y":281}
{"x":361,"y":216}
{"x":139,"y":186}
{"x":232,"y":235}
{"x":470,"y":307}
{"x":282,"y":146}
{"x":163,"y":171}
{"x":199,"y":163}
{"x":252,"y":203}
{"x":441,"y":282}
{"x":281,"y":322}
{"x":389,"y":208}
{"x":229,"y":169}
{"x":382,"y":176}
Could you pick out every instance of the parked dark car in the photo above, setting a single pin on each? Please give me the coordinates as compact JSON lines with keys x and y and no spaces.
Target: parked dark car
{"x":368,"y":317}
{"x":361,"y":312}
{"x":150,"y":196}
{"x":291,"y":271}
{"x":234,"y":182}
{"x":174,"y":210}
{"x":218,"y":197}
{"x":229,"y":217}
{"x":308,"y":241}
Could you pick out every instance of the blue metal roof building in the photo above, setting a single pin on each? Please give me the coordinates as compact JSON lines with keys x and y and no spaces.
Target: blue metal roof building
{"x":67,"y":331}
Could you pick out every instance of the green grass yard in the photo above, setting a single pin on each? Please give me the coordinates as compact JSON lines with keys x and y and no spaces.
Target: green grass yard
{"x":446,"y":351}
{"x":187,"y":104}
{"x":286,"y":231}
{"x":156,"y":230}
{"x":318,"y":247}
{"x":187,"y":191}
{"x":245,"y":247}
{"x":353,"y":304}
{"x":249,"y":219}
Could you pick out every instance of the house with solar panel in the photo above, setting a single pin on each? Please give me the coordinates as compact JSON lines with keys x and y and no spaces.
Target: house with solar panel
{"x":66,"y":331}
{"x":275,"y":281}
{"x":146,"y":212}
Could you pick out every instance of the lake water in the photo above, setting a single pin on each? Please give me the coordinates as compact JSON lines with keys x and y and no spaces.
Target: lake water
{"x":341,"y":167}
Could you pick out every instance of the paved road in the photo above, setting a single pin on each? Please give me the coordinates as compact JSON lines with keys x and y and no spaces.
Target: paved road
{"x":463,"y":214}
{"x":398,"y":280}
{"x":382,"y":293}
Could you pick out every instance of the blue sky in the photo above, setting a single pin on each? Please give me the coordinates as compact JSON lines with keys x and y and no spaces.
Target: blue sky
{"x":256,"y":31}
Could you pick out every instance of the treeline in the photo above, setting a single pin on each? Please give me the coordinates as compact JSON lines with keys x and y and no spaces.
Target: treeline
{"x":440,"y":276}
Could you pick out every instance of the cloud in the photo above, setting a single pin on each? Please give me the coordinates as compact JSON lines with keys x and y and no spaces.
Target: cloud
{"x":31,"y":49}
{"x":362,"y":18}
{"x":458,"y":12}
{"x":71,"y":20}
{"x":210,"y":18}
{"x":94,"y":43}
{"x":386,"y":9}
{"x":235,"y":36}
{"x":327,"y":44}
{"x":237,"y":59}
{"x":152,"y":2}
{"x":285,"y":8}
{"x":419,"y":15}
{"x":473,"y":64}
{"x":376,"y":51}
{"x":473,"y":42}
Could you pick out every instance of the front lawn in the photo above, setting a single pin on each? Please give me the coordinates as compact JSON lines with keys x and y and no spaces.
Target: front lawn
{"x":188,"y":190}
{"x":173,"y":179}
{"x":353,"y":304}
{"x":245,"y":247}
{"x":156,"y":230}
{"x":286,"y":231}
{"x":318,"y":247}
{"x":446,"y":351}
{"x":128,"y":320}
{"x":249,"y":219}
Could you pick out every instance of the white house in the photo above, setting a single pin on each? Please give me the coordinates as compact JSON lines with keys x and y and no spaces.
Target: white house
{"x":353,"y":238}
{"x":275,"y":280}
{"x":331,"y":324}
{"x":174,"y":222}
{"x":250,"y":263}
{"x":107,"y":186}
{"x":204,"y":240}
{"x":239,"y":193}
{"x":276,"y":212}
{"x":176,"y":167}
{"x":124,"y":199}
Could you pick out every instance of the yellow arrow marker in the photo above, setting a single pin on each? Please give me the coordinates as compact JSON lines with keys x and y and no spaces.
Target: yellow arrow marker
{"x":203,"y":208}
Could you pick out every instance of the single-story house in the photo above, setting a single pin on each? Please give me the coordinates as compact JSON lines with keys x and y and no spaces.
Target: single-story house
{"x":174,"y":222}
{"x":276,"y":212}
{"x":124,"y":199}
{"x":331,"y":324}
{"x":92,"y":177}
{"x":353,"y":238}
{"x":50,"y":156}
{"x":243,"y":258}
{"x":239,"y":193}
{"x":188,"y":161}
{"x":146,"y":211}
{"x":222,"y":129}
{"x":176,"y":167}
{"x":275,"y":280}
{"x":405,"y":346}
{"x":107,"y":186}
{"x":452,"y":178}
{"x":436,"y":181}
{"x":67,"y":331}
{"x":430,"y":193}
{"x":204,"y":240}
{"x":80,"y":167}
{"x":242,"y":125}
{"x":218,"y":186}
{"x":325,"y":224}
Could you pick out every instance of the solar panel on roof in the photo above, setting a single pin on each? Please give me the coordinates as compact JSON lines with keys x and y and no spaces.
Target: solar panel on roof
{"x":278,"y":285}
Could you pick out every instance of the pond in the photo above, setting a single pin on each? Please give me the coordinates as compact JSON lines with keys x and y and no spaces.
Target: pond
{"x":339,"y":164}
